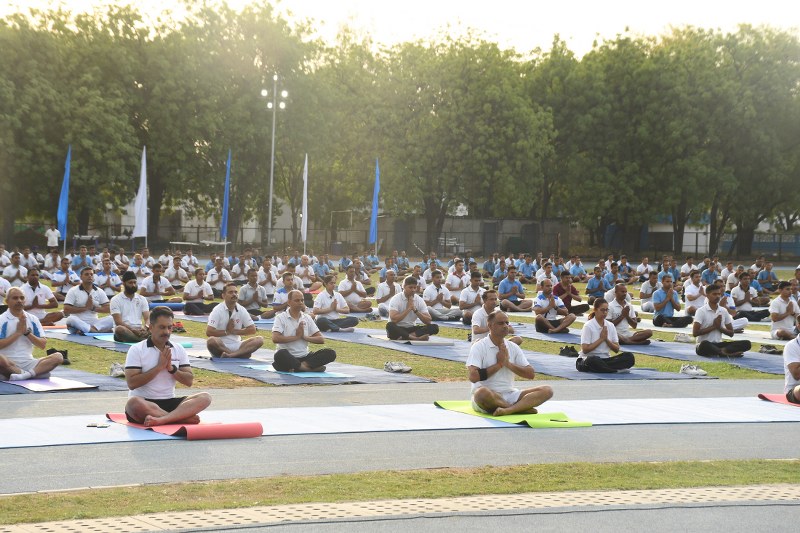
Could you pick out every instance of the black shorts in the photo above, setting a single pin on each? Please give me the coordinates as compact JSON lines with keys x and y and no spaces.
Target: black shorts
{"x":542,"y":329}
{"x":790,"y":397}
{"x":168,"y":404}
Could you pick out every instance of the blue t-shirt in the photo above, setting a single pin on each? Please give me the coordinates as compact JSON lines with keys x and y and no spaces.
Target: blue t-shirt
{"x":527,"y":270}
{"x":321,"y":270}
{"x":382,"y":273}
{"x":499,"y":274}
{"x":345,"y":262}
{"x":668,"y":310}
{"x":489,"y":266}
{"x":505,"y":287}
{"x":767,"y":279}
{"x":577,"y":270}
{"x":402,"y":262}
{"x":597,"y":287}
{"x":708,"y":276}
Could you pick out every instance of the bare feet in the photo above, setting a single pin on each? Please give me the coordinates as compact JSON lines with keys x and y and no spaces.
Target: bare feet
{"x":502,"y":411}
{"x":420,"y":338}
{"x":151,"y":421}
{"x":347,"y":330}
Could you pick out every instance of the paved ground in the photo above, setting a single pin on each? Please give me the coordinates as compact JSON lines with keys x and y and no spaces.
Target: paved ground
{"x":94,"y":465}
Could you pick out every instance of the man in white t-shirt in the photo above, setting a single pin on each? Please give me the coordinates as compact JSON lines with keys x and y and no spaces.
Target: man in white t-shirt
{"x":82,"y":304}
{"x":121,"y":260}
{"x":292,"y":332}
{"x":130,"y":311}
{"x":784,"y":313}
{"x":694,"y":292}
{"x":404,"y":310}
{"x":189,"y":262}
{"x":268,"y":276}
{"x":480,"y":319}
{"x":227,"y":323}
{"x":547,"y":308}
{"x":165,"y":259}
{"x":218,"y":277}
{"x":63,"y":279}
{"x":53,"y":236}
{"x":644,"y":269}
{"x":470,"y":299}
{"x":305,"y":271}
{"x":39,"y":298}
{"x":710,"y":322}
{"x":152,"y":367}
{"x":253,"y":296}
{"x":647,"y":290}
{"x":156,"y":288}
{"x":353,"y":292}
{"x":386,"y":292}
{"x":328,"y":308}
{"x":15,"y":273}
{"x":51,"y":263}
{"x":239,"y":270}
{"x":791,"y":369}
{"x":439,"y":301}
{"x":148,"y":259}
{"x":744,"y":297}
{"x":623,"y":316}
{"x":598,"y":339}
{"x":20,"y":332}
{"x":108,"y":280}
{"x":138,"y":267}
{"x":492,"y":363}
{"x":176,"y":274}
{"x":197,"y":295}
{"x":457,"y":281}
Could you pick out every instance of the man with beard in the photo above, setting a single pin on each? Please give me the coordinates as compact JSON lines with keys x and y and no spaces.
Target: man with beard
{"x":130,"y":311}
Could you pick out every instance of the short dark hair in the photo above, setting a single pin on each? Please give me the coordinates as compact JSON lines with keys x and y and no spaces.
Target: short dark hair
{"x":410,"y":280}
{"x":161,"y":310}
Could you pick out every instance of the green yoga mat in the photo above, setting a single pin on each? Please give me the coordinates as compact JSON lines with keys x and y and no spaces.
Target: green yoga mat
{"x":109,"y":337}
{"x":540,"y":420}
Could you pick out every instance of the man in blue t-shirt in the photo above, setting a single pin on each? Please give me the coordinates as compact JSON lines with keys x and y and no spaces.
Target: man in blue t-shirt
{"x":597,"y":285}
{"x":512,"y":293}
{"x":666,"y":302}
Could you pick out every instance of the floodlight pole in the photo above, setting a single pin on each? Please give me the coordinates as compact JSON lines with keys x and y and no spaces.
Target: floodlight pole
{"x":272,"y":159}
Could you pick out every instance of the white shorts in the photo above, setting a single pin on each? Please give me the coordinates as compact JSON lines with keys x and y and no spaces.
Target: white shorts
{"x":230,"y":344}
{"x":774,"y":333}
{"x":511,"y":397}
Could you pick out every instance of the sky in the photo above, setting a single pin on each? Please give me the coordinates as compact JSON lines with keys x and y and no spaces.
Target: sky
{"x":523,"y":25}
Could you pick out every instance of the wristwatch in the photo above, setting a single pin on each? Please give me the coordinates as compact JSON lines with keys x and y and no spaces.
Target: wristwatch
{"x":28,"y":332}
{"x":174,"y":369}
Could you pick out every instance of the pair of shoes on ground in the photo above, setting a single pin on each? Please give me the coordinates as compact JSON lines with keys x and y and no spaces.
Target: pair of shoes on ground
{"x":64,"y":354}
{"x":372,"y":317}
{"x":770,"y":349}
{"x":396,"y":367}
{"x":693,"y":370}
{"x":568,"y":351}
{"x":177,"y":327}
{"x":684,"y":337}
{"x":116,"y":370}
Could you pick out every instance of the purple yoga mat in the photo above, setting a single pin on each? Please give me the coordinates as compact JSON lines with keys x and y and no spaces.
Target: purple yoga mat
{"x":51,"y":384}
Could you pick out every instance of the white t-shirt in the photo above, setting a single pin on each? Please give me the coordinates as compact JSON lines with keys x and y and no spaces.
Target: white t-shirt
{"x":141,"y":271}
{"x":239,"y":271}
{"x":304,"y":273}
{"x":100,"y":278}
{"x":246,"y":292}
{"x":791,"y":354}
{"x":219,"y":318}
{"x":59,"y":276}
{"x":262,"y":279}
{"x":42,"y":293}
{"x":690,"y":289}
{"x":287,"y":326}
{"x":149,"y":285}
{"x":53,"y":235}
{"x":432,"y":292}
{"x":51,"y":264}
{"x":644,"y":269}
{"x":145,"y":356}
{"x":468,"y":296}
{"x":78,"y":297}
{"x":11,"y":270}
{"x":21,"y":350}
{"x":176,"y":277}
{"x":4,"y":286}
{"x":421,"y":283}
{"x":454,"y":280}
{"x":731,"y":281}
{"x":480,"y":318}
{"x":324,"y":300}
{"x":686,"y":268}
{"x":738,"y":294}
{"x":591,"y":332}
{"x":384,"y":289}
{"x":131,"y":310}
{"x":543,"y":276}
{"x":217,"y":280}
{"x":191,"y":289}
{"x":705,"y":316}
{"x":189,"y":262}
{"x":648,"y":290}
{"x":541,"y":302}
{"x":399,"y":303}
{"x":165,"y":260}
{"x":615,"y":311}
{"x":346,"y":285}
{"x":29,"y":261}
{"x":779,"y":306}
{"x":483,"y":354}
{"x":297,"y":283}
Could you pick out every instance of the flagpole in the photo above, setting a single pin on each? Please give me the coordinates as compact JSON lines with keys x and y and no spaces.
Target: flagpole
{"x":223,"y":228}
{"x":373,"y":223}
{"x":304,"y":222}
{"x":63,"y":200}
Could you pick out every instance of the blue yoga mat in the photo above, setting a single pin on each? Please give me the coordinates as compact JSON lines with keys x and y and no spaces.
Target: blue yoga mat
{"x":101,"y":382}
{"x":175,"y":306}
{"x":552,"y":365}
{"x":109,"y":337}
{"x":269,"y":368}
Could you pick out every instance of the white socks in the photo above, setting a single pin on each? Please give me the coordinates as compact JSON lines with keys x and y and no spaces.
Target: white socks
{"x":22,"y":376}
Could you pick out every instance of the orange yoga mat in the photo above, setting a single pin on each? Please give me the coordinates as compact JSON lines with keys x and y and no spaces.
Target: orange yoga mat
{"x":777,"y":398}
{"x":201,"y":431}
{"x":56,"y":326}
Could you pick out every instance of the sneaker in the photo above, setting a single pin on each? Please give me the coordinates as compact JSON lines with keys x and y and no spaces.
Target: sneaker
{"x":116,"y":370}
{"x":177,"y":327}
{"x":384,"y":312}
{"x":693,"y":370}
{"x":684,"y":337}
{"x":770,"y":349}
{"x":373,"y":316}
{"x":568,"y":351}
{"x":396,"y":367}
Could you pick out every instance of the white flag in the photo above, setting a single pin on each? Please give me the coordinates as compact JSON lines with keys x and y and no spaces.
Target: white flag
{"x":140,"y":205}
{"x":304,"y":223}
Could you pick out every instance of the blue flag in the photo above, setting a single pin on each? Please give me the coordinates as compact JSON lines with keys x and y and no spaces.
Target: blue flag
{"x":223,"y":228}
{"x":63,"y":200}
{"x":373,"y":221}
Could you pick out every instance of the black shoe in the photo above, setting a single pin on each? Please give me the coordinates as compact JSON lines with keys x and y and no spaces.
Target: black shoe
{"x":63,"y":354}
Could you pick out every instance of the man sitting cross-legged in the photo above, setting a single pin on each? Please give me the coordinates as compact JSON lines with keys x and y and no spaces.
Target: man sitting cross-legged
{"x":253,"y":296}
{"x":386,"y":291}
{"x":131,"y":311}
{"x":784,"y":313}
{"x":291,"y":333}
{"x":404,"y":309}
{"x":196,"y":293}
{"x":569,"y":295}
{"x":744,"y":297}
{"x":492,"y":363}
{"x":548,"y":308}
{"x":623,"y":316}
{"x":710,"y":322}
{"x":39,"y":298}
{"x":354,"y":293}
{"x":151,"y":369}
{"x":512,"y":293}
{"x":438,"y":299}
{"x":226,"y":323}
{"x":665,"y":303}
{"x":791,"y":365}
{"x":598,"y":339}
{"x":19,"y":333}
{"x":471,"y":297}
{"x":329,"y":306}
{"x":82,"y":304}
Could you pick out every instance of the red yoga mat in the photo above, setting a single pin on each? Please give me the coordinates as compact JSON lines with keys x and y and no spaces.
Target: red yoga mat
{"x":201,"y":431}
{"x":777,"y":398}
